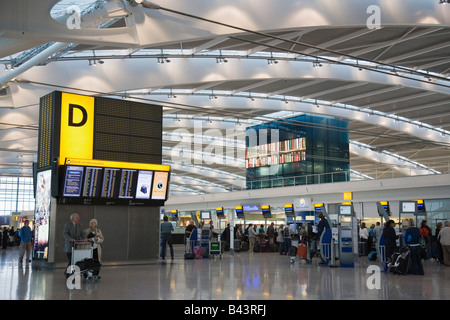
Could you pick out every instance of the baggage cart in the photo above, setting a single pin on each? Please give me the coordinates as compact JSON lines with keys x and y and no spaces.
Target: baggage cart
{"x":82,"y":256}
{"x":304,"y":252}
{"x":215,"y":248}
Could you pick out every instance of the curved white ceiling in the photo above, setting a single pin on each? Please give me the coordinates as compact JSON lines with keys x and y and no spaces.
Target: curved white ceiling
{"x":390,"y":83}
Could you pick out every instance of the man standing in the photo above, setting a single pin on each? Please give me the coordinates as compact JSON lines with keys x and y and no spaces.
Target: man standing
{"x":444,"y":238}
{"x":166,"y":237}
{"x":73,"y":231}
{"x":25,"y":243}
{"x":390,"y":237}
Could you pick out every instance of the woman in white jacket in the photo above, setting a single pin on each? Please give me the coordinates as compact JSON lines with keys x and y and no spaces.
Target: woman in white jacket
{"x":95,"y":234}
{"x":364,"y":238}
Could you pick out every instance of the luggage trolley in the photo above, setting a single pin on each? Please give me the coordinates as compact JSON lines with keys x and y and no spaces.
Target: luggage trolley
{"x":215,"y":248}
{"x":82,"y":257}
{"x":304,"y":252}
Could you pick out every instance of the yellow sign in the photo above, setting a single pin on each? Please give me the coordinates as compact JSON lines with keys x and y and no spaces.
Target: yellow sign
{"x":219,"y":208}
{"x":288,"y":205}
{"x":77,"y":127}
{"x":265,"y":207}
{"x":117,"y":164}
{"x":348,"y":196}
{"x":238,"y":207}
{"x":318,"y":205}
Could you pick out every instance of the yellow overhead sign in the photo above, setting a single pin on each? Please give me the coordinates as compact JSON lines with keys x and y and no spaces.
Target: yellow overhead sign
{"x":77,"y":127}
{"x":348,"y":196}
{"x":117,"y":164}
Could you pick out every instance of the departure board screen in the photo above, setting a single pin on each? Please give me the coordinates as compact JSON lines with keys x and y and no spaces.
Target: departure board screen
{"x":111,"y":180}
{"x":92,"y":182}
{"x":127,"y":183}
{"x":73,"y":181}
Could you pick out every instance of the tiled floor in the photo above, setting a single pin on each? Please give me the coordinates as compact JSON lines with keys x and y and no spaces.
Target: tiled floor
{"x":244,"y":276}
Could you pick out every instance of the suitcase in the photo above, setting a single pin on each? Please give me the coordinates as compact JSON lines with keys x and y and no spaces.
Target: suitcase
{"x":237,"y":245}
{"x":257,"y":247}
{"x":198,"y":252}
{"x":189,"y":256}
{"x":399,"y":261}
{"x":265,"y":246}
{"x":302,"y":251}
{"x":292,"y":251}
{"x":89,"y":264}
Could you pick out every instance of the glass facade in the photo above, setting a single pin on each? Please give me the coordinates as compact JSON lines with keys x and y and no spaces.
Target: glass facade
{"x":322,"y":155}
{"x":16,"y":195}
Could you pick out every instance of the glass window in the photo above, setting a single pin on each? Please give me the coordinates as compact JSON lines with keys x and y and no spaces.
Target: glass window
{"x":16,"y":194}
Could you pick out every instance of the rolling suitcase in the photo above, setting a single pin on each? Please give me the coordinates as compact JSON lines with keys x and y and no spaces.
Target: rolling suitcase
{"x":399,"y":261}
{"x":302,"y":251}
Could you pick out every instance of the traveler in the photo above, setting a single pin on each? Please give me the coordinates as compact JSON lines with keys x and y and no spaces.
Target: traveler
{"x":425,"y":232}
{"x":412,"y":240}
{"x":94,"y":234}
{"x":25,"y":243}
{"x":444,"y":239}
{"x":72,"y":232}
{"x":188,"y":231}
{"x":323,"y":224}
{"x":303,"y":232}
{"x":252,"y":236}
{"x":271,"y":233}
{"x":390,"y":239}
{"x":166,"y":237}
{"x":280,"y":238}
{"x":364,"y":238}
{"x":287,"y":239}
{"x":5,"y":238}
{"x":440,"y":257}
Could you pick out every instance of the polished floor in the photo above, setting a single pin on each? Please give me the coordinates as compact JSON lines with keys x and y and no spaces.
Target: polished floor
{"x":243,"y":276}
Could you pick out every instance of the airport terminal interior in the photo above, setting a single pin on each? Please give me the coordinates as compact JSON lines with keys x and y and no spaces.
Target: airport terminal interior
{"x":315,"y":121}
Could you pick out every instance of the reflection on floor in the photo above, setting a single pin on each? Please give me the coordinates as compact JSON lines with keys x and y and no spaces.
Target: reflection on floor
{"x":244,"y":276}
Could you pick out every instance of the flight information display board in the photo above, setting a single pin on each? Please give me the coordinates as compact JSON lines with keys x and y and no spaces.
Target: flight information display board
{"x":106,"y":182}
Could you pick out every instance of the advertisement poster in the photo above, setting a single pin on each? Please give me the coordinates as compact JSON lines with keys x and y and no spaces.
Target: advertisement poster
{"x":144,"y":184}
{"x":160,"y":185}
{"x":42,"y":214}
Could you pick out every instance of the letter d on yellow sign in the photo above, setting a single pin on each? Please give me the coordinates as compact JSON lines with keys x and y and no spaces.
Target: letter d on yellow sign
{"x":77,"y":127}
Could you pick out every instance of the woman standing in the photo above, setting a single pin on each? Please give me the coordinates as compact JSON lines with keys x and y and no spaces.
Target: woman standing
{"x":364,"y":238}
{"x":95,"y":234}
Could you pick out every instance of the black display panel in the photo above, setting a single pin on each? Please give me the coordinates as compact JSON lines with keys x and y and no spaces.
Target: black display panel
{"x":73,"y":181}
{"x":144,"y":184}
{"x":289,"y":211}
{"x":111,"y":186}
{"x":240,"y":213}
{"x":111,"y":183}
{"x":266,"y":211}
{"x":128,"y":181}
{"x":220,"y":213}
{"x":93,"y":178}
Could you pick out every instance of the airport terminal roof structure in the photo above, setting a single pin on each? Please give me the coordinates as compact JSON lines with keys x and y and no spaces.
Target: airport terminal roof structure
{"x":218,"y":67}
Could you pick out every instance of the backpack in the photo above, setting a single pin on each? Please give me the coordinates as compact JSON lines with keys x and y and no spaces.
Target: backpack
{"x":286,"y":232}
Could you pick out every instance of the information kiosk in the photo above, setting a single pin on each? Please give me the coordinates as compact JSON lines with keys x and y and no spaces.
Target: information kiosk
{"x":348,"y":222}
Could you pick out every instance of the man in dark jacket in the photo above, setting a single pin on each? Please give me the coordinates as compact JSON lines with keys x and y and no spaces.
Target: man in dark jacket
{"x":412,"y":239}
{"x":390,"y":238}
